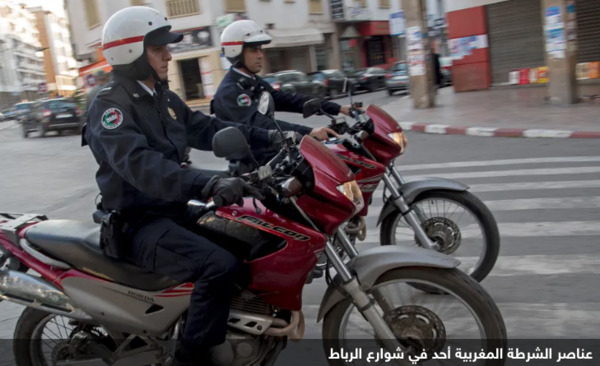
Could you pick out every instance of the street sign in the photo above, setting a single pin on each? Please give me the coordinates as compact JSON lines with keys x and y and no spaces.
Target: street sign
{"x":42,"y":87}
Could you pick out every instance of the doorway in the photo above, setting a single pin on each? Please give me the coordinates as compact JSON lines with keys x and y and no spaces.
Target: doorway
{"x":192,"y":79}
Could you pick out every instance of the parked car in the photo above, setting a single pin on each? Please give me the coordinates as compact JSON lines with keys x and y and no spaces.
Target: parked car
{"x":22,"y":110}
{"x":8,"y":114}
{"x":397,"y":78}
{"x":333,"y":81}
{"x":446,"y":66}
{"x":294,"y":81}
{"x":371,"y":79}
{"x":52,"y":115}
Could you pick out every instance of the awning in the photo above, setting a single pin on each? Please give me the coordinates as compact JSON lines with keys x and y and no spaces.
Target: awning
{"x":294,"y":37}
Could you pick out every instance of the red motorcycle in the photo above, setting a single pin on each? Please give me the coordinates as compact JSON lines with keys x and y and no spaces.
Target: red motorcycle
{"x":432,"y":213}
{"x":85,"y":308}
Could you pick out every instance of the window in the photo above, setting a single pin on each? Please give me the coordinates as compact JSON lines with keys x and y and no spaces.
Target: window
{"x":233,"y":6}
{"x":363,"y":3}
{"x":288,"y":1}
{"x":177,"y":8}
{"x":315,"y":6}
{"x":384,"y":4}
{"x":138,"y":2}
{"x":91,"y":13}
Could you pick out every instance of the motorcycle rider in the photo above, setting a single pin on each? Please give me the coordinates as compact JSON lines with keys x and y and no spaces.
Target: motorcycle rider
{"x":137,"y":131}
{"x":237,"y":96}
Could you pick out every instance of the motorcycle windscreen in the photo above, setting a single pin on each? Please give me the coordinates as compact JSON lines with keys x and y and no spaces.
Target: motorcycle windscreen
{"x":381,"y":145}
{"x":325,"y":204}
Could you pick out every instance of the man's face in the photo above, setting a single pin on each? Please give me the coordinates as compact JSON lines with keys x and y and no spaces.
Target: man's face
{"x":253,"y":58}
{"x":159,"y":57}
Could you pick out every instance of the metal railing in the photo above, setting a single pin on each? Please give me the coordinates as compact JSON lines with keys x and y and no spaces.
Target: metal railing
{"x":177,"y":8}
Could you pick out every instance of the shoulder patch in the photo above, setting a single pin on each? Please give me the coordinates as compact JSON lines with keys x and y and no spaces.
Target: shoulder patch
{"x":112,"y":118}
{"x":244,"y":100}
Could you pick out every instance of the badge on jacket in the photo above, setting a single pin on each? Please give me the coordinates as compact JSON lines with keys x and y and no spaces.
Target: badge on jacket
{"x":172,"y":113}
{"x":112,"y":118}
{"x":244,"y":100}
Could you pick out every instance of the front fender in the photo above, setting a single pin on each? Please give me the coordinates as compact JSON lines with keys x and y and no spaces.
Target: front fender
{"x":370,"y":264}
{"x":410,"y":190}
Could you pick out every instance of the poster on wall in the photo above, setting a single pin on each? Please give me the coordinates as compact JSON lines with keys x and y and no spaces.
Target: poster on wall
{"x":397,"y":24}
{"x":554,"y":31}
{"x":462,"y":47}
{"x":416,"y":56}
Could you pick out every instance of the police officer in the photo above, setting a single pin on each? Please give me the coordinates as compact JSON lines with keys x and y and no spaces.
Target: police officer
{"x":138,"y":130}
{"x":237,"y":96}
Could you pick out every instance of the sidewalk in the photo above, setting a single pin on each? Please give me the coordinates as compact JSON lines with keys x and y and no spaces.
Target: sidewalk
{"x":507,"y":112}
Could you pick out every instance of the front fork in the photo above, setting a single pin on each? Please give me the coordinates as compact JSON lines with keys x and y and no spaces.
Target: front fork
{"x":362,"y":301}
{"x":413,"y":216}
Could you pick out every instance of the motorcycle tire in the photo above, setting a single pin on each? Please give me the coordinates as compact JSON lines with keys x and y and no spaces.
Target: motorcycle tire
{"x":466,"y":200}
{"x":454,"y":282}
{"x":28,"y":343}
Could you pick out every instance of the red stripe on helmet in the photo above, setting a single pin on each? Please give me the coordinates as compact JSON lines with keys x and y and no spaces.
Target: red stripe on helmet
{"x":237,"y":43}
{"x":121,"y":42}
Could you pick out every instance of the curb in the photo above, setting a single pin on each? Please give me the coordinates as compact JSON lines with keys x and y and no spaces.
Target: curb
{"x":495,"y":131}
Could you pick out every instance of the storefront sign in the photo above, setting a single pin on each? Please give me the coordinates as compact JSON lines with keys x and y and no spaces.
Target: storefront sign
{"x":397,"y":24}
{"x":194,"y":39}
{"x":337,"y":9}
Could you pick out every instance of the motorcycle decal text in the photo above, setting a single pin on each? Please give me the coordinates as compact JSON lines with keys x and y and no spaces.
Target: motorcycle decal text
{"x":356,"y":162}
{"x":140,"y":296}
{"x":256,"y":221}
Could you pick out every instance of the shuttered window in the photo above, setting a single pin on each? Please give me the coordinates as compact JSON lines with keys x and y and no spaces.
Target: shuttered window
{"x":91,"y":13}
{"x":233,"y":6}
{"x":588,"y":30}
{"x":178,"y":8}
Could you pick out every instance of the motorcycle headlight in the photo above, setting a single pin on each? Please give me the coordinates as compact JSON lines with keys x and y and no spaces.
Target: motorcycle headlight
{"x":353,"y":193}
{"x":400,"y":140}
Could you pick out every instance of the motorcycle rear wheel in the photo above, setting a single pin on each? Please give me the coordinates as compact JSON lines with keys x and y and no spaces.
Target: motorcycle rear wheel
{"x":443,"y":213}
{"x":431,"y":327}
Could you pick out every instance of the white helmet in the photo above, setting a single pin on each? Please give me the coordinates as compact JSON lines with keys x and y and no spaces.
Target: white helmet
{"x":125,"y":35}
{"x":239,"y":34}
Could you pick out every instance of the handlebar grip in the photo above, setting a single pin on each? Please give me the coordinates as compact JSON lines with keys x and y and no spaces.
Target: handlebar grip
{"x":218,"y":201}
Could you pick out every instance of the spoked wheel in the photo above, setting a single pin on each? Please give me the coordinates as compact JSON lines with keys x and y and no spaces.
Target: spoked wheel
{"x":45,"y":339}
{"x":458,"y":222}
{"x":423,"y":323}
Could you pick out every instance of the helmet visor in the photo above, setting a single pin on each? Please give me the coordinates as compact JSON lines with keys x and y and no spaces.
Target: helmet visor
{"x":162,"y":36}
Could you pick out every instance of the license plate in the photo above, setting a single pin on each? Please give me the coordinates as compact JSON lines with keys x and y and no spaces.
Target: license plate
{"x":64,"y":115}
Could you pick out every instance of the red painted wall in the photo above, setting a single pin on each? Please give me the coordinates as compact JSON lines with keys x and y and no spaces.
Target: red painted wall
{"x":472,"y":72}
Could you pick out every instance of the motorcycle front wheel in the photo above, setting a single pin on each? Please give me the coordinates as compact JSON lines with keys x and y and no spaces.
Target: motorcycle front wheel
{"x":466,"y":317}
{"x":458,"y":222}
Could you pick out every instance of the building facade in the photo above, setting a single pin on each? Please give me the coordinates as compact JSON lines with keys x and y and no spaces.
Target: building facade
{"x":365,"y":36}
{"x":59,"y":65}
{"x":303,"y":37}
{"x":21,"y":68}
{"x":508,"y":42}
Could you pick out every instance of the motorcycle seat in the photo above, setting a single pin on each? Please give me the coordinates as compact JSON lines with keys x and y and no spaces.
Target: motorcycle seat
{"x":78,"y":244}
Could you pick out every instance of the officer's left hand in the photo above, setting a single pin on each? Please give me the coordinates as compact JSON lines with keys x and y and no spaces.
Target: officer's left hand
{"x":322,"y":133}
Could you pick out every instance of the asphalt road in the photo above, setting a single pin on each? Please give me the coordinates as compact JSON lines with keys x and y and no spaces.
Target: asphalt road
{"x":544,"y":193}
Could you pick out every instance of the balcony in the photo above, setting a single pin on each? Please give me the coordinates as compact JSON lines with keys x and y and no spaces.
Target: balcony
{"x":180,"y":8}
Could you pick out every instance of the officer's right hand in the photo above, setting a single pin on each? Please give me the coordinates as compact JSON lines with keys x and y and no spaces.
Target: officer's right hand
{"x":227,"y":191}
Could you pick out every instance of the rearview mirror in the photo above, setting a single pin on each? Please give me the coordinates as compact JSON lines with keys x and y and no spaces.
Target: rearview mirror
{"x":311,"y":107}
{"x":230,"y":143}
{"x":266,"y":104}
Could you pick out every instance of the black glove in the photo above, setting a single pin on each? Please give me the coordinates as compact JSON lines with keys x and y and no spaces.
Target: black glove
{"x":276,"y":139}
{"x":227,"y":191}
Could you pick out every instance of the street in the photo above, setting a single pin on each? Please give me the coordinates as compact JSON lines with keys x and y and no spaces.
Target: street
{"x":544,"y":194}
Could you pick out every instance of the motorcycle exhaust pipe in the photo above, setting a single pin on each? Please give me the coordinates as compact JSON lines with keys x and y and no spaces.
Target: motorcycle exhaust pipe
{"x":37,"y":293}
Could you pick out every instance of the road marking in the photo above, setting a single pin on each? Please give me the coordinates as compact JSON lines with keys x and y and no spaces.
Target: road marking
{"x":465,"y":164}
{"x":516,"y":172}
{"x":526,"y":204}
{"x":512,"y":230}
